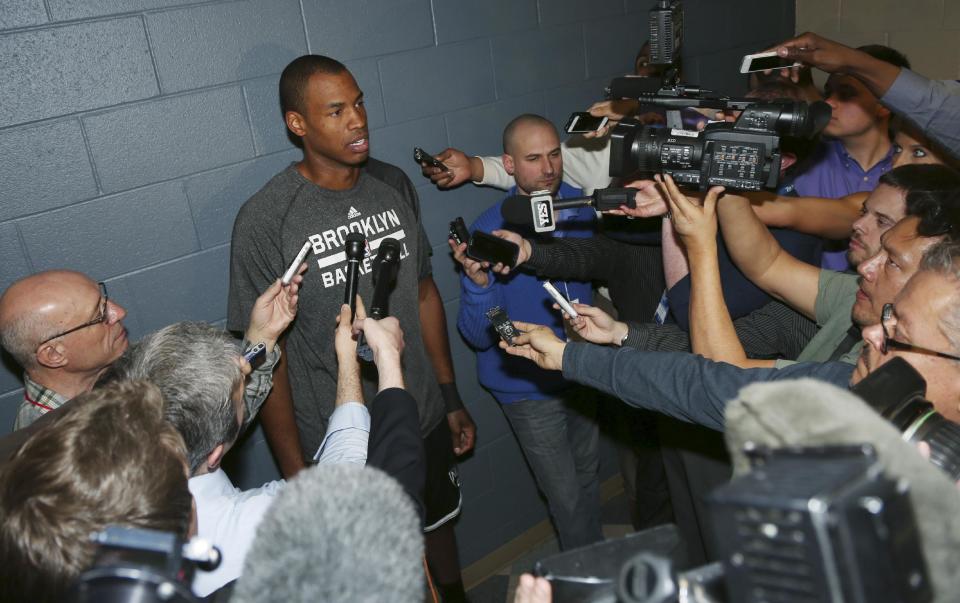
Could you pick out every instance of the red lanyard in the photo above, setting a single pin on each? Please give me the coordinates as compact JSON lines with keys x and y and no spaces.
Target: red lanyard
{"x":34,"y":402}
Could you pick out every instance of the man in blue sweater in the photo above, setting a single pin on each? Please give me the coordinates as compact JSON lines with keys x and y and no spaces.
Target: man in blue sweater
{"x":554,"y":426}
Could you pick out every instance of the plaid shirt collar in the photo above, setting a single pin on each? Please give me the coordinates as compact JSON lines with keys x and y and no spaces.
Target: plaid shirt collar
{"x":42,"y":398}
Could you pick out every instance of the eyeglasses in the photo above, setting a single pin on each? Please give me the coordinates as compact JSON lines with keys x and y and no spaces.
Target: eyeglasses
{"x":890,"y":343}
{"x":101,"y":317}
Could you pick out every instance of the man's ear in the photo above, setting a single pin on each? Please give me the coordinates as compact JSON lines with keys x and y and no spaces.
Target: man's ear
{"x":295,"y":123}
{"x":508,"y":163}
{"x":52,"y":355}
{"x":215,"y":456}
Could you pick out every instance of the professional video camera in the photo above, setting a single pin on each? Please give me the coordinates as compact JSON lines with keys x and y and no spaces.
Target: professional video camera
{"x":896,"y":391}
{"x":143,"y":566}
{"x":744,"y":155}
{"x":806,"y":524}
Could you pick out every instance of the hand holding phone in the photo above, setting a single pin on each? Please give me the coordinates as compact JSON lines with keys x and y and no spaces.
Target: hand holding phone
{"x":560,"y":299}
{"x":583,"y":122}
{"x":764,"y":61}
{"x":422,"y":157}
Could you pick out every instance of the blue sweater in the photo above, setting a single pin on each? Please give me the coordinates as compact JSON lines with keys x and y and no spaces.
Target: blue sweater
{"x":521,"y":295}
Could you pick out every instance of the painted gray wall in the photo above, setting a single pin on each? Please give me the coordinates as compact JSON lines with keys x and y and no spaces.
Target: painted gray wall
{"x":131,"y":132}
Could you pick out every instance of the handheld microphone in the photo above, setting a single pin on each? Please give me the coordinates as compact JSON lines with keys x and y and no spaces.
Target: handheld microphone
{"x":355,"y":247}
{"x":385,"y":269}
{"x":538,"y":210}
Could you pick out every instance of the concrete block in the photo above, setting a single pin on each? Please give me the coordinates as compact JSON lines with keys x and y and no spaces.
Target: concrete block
{"x":891,"y":15}
{"x":14,"y":265}
{"x":754,"y":21}
{"x":933,"y":53}
{"x":434,"y":80}
{"x":612,"y":44}
{"x":463,"y":20}
{"x":44,"y":167}
{"x":113,"y":235}
{"x":190,"y":288}
{"x":439,"y":207}
{"x":352,"y":29}
{"x":553,"y":12}
{"x":22,"y":13}
{"x":532,"y":61}
{"x":812,"y":15}
{"x":121,"y":293}
{"x":60,"y":70}
{"x":394,"y":144}
{"x":174,"y":136}
{"x":705,"y":24}
{"x":62,"y":10}
{"x":479,"y":130}
{"x":266,"y":119}
{"x":215,"y":197}
{"x":367,"y":74}
{"x":251,"y":39}
{"x":476,"y":475}
{"x":951,"y":15}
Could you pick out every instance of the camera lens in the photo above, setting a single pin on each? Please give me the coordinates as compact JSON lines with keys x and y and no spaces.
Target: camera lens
{"x":943,"y":437}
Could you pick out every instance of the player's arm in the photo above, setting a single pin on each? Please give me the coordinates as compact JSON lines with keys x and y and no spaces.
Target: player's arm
{"x":279,"y":424}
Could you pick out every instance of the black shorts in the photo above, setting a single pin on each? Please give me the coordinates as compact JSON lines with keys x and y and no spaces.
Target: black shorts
{"x":442,"y":493}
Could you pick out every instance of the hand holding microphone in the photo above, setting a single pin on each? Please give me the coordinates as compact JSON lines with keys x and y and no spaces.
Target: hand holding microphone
{"x":385,"y":269}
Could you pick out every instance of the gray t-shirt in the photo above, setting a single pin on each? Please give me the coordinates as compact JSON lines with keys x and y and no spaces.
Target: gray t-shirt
{"x":270,"y":229}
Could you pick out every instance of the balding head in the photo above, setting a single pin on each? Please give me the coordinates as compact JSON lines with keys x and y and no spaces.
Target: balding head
{"x":531,"y":154}
{"x":44,"y":305}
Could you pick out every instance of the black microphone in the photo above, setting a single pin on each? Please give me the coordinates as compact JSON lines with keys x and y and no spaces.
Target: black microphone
{"x":538,"y":210}
{"x":355,"y":246}
{"x":385,"y":268}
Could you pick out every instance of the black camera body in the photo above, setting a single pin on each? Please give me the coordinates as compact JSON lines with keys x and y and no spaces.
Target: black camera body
{"x":744,"y":155}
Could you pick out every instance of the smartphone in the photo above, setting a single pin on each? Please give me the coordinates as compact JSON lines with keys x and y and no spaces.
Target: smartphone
{"x":560,"y":299}
{"x":763,"y":61}
{"x":501,"y":322}
{"x":584,"y":122}
{"x":292,"y":270}
{"x":485,"y":247}
{"x":251,"y":354}
{"x":458,"y":231}
{"x":421,"y":157}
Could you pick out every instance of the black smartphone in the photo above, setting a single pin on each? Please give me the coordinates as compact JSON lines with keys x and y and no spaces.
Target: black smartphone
{"x":584,"y":122}
{"x":423,"y":157}
{"x":458,"y":231}
{"x":485,"y":247}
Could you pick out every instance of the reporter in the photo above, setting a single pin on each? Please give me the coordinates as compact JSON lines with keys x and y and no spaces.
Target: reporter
{"x":934,"y":106}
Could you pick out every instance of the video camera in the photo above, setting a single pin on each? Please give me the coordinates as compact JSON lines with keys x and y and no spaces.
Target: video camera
{"x":143,"y":566}
{"x":744,"y":155}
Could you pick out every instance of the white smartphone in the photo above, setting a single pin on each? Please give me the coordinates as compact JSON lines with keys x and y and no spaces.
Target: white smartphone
{"x":584,"y":122}
{"x":288,"y":275}
{"x":762,"y":61}
{"x":560,"y":299}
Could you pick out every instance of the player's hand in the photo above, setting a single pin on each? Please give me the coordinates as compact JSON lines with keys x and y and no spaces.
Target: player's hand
{"x":475,"y":271}
{"x":696,"y":224}
{"x":458,"y":169}
{"x":595,"y":325}
{"x":537,"y":343}
{"x":274,"y":310}
{"x":522,"y":256}
{"x":463,"y":430}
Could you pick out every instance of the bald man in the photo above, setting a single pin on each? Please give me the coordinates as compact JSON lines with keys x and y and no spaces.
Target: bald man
{"x":553,"y":423}
{"x":64,"y":331}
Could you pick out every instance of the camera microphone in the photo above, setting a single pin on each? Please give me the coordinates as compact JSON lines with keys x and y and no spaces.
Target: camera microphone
{"x":537,"y":210}
{"x":355,"y":247}
{"x":385,"y":268}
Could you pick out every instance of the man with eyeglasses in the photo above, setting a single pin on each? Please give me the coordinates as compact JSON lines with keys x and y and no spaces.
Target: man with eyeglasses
{"x":62,"y":328}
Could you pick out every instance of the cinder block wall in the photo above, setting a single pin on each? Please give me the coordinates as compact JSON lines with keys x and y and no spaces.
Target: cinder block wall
{"x":132,"y":131}
{"x":925,"y":30}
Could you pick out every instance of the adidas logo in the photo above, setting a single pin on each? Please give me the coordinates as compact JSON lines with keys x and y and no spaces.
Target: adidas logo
{"x":353,"y":213}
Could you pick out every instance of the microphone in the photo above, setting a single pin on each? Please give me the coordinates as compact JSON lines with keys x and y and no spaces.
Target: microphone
{"x":538,"y":210}
{"x":355,"y":249}
{"x":361,"y":542}
{"x":385,"y":268}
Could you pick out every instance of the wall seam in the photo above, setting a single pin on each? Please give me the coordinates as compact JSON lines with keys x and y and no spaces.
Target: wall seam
{"x":493,"y":70}
{"x":249,"y":118}
{"x":193,"y":217}
{"x":433,"y":21}
{"x":303,"y":22}
{"x":46,"y":7}
{"x":93,"y":161}
{"x":153,"y":58}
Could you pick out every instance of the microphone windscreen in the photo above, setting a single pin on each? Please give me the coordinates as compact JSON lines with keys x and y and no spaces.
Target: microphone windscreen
{"x":336,"y":533}
{"x":516,"y":210}
{"x":807,"y":412}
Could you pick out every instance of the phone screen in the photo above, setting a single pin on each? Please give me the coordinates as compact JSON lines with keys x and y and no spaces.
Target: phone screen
{"x":486,"y":247}
{"x":765,"y":63}
{"x":584,"y":122}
